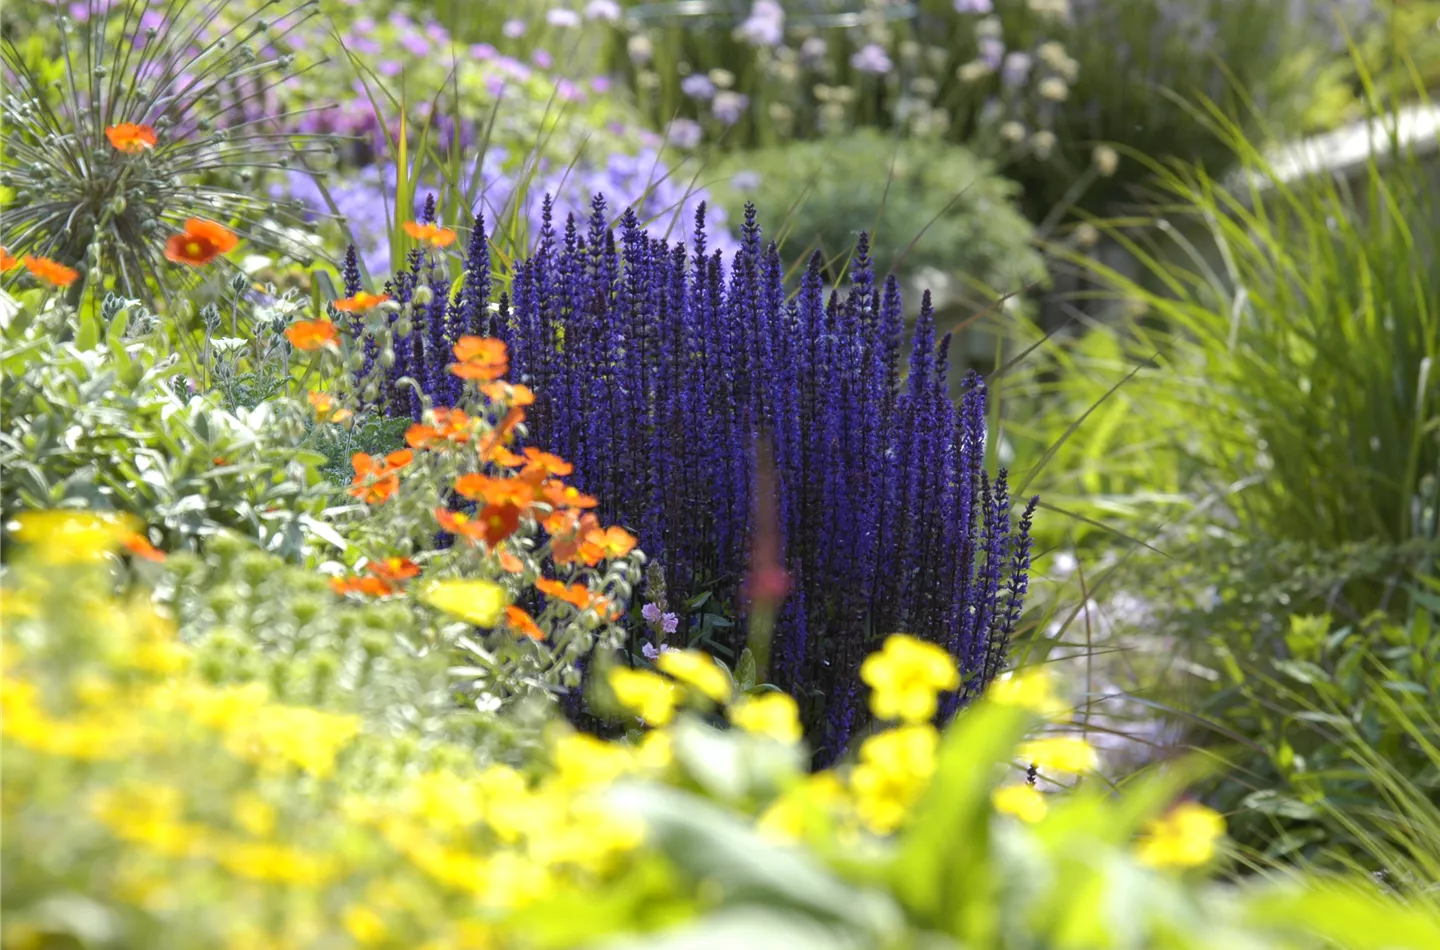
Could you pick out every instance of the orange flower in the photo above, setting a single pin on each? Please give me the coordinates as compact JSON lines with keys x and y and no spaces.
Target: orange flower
{"x":500,"y":522}
{"x":542,"y":465}
{"x":459,"y":523}
{"x":576,"y":595}
{"x":480,"y":358}
{"x":6,"y":261}
{"x":130,"y":138}
{"x":495,"y":491}
{"x":325,"y":409}
{"x":311,"y":334}
{"x":219,"y":460}
{"x":613,"y":542}
{"x":567,"y":529}
{"x":52,"y":272}
{"x":394,"y":569}
{"x":431,"y":234}
{"x":521,"y":622}
{"x":564,"y":496}
{"x":360,"y":303}
{"x":369,"y":586}
{"x":140,"y":546}
{"x":375,"y":482}
{"x":515,"y":394}
{"x":509,"y":563}
{"x":200,"y":243}
{"x":502,"y":456}
{"x":451,"y":425}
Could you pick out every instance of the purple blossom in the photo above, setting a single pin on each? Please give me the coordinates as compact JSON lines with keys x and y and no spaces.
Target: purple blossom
{"x":974,"y":6}
{"x":562,"y":18}
{"x":415,"y":44}
{"x":765,"y":26}
{"x":651,"y":612}
{"x":669,"y":623}
{"x":729,"y":106}
{"x":814,"y":48}
{"x":605,"y":10}
{"x":542,"y":58}
{"x":1016,"y":71}
{"x":745,"y":180}
{"x":992,"y":51}
{"x":683,"y":133}
{"x":697,"y":86}
{"x":872,"y":58}
{"x":483,"y":51}
{"x":513,"y":28}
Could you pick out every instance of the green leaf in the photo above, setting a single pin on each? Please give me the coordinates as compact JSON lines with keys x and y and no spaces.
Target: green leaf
{"x":745,"y":670}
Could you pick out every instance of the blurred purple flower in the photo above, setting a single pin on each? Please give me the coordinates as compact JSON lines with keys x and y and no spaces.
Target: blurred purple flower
{"x":697,"y":86}
{"x":363,"y":45}
{"x":814,"y":48}
{"x":651,"y":612}
{"x":765,"y":26}
{"x":363,"y":24}
{"x":542,"y":58}
{"x":415,"y":44}
{"x":388,"y":67}
{"x":562,"y":18}
{"x":684,"y":133}
{"x":745,"y":180}
{"x":992,"y":51}
{"x":730,"y":106}
{"x":513,"y":28}
{"x":607,"y":10}
{"x":600,"y":84}
{"x":872,"y":58}
{"x":973,"y":6}
{"x":483,"y":51}
{"x":1017,"y":69}
{"x":669,"y":623}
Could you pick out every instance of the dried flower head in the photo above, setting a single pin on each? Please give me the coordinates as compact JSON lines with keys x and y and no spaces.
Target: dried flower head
{"x":146,"y":129}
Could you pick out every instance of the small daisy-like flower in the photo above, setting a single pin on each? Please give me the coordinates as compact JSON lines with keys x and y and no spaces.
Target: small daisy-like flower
{"x":431,"y":234}
{"x":200,"y":243}
{"x":311,"y":334}
{"x":52,"y":272}
{"x":360,"y":303}
{"x":131,"y":138}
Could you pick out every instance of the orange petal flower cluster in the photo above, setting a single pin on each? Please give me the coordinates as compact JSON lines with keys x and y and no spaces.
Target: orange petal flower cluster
{"x":578,"y":596}
{"x":431,"y":234}
{"x":312,"y":335}
{"x":451,"y":426}
{"x":326,"y":409}
{"x":522,"y":623}
{"x":480,"y":358}
{"x":7,"y":261}
{"x":52,"y":272}
{"x":362,"y":302}
{"x":384,"y":578}
{"x":140,"y":546}
{"x":200,"y":243}
{"x":131,"y":138}
{"x":375,"y":481}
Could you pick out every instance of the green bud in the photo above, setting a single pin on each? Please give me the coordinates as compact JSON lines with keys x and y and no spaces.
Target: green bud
{"x":403,"y":326}
{"x":422,"y":297}
{"x":117,"y":207}
{"x":387,"y":357}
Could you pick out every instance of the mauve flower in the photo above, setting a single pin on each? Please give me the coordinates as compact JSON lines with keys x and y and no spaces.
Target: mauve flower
{"x":684,"y":133}
{"x":814,"y":48}
{"x":992,"y":51}
{"x":363,"y":24}
{"x":415,"y":44}
{"x":364,"y":45}
{"x":651,"y":612}
{"x":542,"y":59}
{"x":669,"y":623}
{"x":697,"y":86}
{"x":514,"y":28}
{"x":765,"y":26}
{"x":872,"y":58}
{"x":729,"y":106}
{"x":745,"y":180}
{"x":483,"y":51}
{"x":973,"y":6}
{"x":1016,"y":71}
{"x":389,"y":67}
{"x":562,"y":18}
{"x":607,"y":10}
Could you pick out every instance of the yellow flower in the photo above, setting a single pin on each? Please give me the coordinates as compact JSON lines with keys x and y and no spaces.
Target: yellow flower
{"x":73,"y":537}
{"x":649,"y":696}
{"x":906,"y":676}
{"x":1028,"y":689}
{"x":769,"y":714}
{"x":1184,"y":838}
{"x":445,"y":800}
{"x":272,"y":862}
{"x":254,"y":814}
{"x":785,"y":819}
{"x":655,"y":751}
{"x":478,"y":602}
{"x":698,"y":671}
{"x":301,"y":736}
{"x":362,"y":923}
{"x":1022,"y":801}
{"x":1060,"y":754}
{"x":582,"y":761}
{"x":895,"y":766}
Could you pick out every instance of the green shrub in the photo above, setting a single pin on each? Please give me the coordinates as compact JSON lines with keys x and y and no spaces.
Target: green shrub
{"x":924,"y":204}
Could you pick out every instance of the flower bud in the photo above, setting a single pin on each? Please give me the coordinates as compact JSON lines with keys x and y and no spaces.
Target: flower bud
{"x":387,"y":357}
{"x":422,"y":296}
{"x":403,"y":326}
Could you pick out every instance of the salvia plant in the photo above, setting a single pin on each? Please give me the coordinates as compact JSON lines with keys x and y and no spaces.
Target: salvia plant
{"x":665,"y":376}
{"x":148,"y":125}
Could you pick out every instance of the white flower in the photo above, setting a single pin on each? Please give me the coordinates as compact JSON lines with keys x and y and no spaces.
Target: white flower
{"x":640,"y":49}
{"x":1054,"y":89}
{"x":1105,"y":160}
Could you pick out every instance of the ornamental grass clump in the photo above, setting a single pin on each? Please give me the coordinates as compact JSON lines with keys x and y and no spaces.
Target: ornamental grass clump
{"x":142,"y":150}
{"x":662,"y":375}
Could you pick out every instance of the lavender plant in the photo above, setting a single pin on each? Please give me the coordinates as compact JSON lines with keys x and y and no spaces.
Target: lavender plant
{"x":662,"y":374}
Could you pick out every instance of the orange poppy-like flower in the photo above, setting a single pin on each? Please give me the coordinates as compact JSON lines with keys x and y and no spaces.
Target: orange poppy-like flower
{"x":514,"y":394}
{"x":460,"y":524}
{"x":567,"y":544}
{"x":495,"y":491}
{"x":521,"y":622}
{"x":502,"y":456}
{"x":140,"y":546}
{"x":451,"y":425}
{"x":500,"y":522}
{"x":312,"y":334}
{"x":480,"y":358}
{"x":509,"y":563}
{"x":360,"y":303}
{"x":7,"y":261}
{"x":576,"y":595}
{"x":200,"y":243}
{"x":542,"y":465}
{"x":431,"y":234}
{"x":565,"y":496}
{"x":394,"y":569}
{"x":131,"y":138}
{"x":52,"y":272}
{"x":326,"y":409}
{"x":374,"y":482}
{"x":219,"y":460}
{"x":612,"y":542}
{"x":369,"y":586}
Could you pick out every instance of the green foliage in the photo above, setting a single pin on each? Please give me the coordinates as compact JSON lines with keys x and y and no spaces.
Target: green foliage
{"x":98,"y":416}
{"x":924,"y":204}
